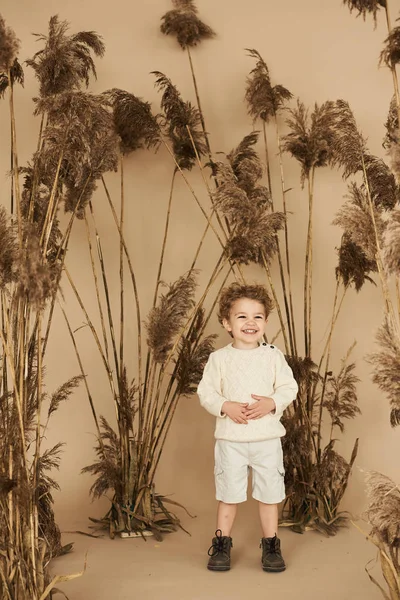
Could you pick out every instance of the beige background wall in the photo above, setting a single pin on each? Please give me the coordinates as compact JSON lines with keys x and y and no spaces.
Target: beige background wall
{"x":317,"y":50}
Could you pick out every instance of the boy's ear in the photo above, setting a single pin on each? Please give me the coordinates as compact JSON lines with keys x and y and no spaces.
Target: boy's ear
{"x":226,"y":325}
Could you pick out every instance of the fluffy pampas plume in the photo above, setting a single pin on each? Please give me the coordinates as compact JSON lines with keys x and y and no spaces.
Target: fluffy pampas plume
{"x":246,"y":205}
{"x":353,"y":265}
{"x":9,"y":46}
{"x":311,"y":138}
{"x":263,"y":99}
{"x":66,"y":62}
{"x":134,"y":122}
{"x":386,"y":363}
{"x":9,"y":65}
{"x":183,"y":23}
{"x":181,"y":116}
{"x":167,"y":319}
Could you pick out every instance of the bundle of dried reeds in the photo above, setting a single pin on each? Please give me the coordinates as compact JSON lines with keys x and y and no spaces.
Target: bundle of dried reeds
{"x":247,"y":215}
{"x":177,"y":348}
{"x":145,"y":403}
{"x":383,"y":514}
{"x":377,"y":203}
{"x":62,"y":172}
{"x":317,"y":476}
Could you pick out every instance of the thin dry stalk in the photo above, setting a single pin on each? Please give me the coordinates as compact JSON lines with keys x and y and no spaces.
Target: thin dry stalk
{"x":214,"y":210}
{"x":133,"y":279}
{"x":164,"y":243}
{"x":288,"y":305}
{"x":195,"y":196}
{"x":97,"y":288}
{"x":78,"y":356}
{"x":286,"y":231}
{"x":276,"y":301}
{"x":308,"y":268}
{"x":105,"y":362}
{"x":327,"y":353}
{"x":196,"y":89}
{"x":15,"y":160}
{"x":121,"y":272}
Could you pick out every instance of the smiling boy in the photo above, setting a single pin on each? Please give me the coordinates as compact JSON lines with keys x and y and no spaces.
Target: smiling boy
{"x":247,"y":385}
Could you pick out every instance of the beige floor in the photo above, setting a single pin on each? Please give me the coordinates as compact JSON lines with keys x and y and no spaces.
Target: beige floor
{"x":318,"y":568}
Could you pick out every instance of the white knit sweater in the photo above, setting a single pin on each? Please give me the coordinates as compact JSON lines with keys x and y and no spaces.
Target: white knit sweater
{"x":233,"y":374}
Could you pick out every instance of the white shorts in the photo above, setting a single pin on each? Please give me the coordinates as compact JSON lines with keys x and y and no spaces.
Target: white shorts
{"x":232,"y":463}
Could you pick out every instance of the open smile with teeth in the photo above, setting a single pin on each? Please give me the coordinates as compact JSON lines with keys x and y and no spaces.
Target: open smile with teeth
{"x":250,"y":330}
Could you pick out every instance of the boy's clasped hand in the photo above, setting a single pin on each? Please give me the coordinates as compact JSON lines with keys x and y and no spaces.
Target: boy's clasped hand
{"x":242,"y":412}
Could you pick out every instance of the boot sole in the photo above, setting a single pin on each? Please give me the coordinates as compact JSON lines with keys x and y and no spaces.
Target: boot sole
{"x":274,"y":570}
{"x":223,"y":568}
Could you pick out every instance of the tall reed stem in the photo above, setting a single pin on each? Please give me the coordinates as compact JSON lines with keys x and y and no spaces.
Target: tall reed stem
{"x":308,"y":267}
{"x":278,"y":308}
{"x":15,"y":159}
{"x":106,"y":291}
{"x":134,"y":285}
{"x":196,"y":89}
{"x":286,"y":227}
{"x":166,"y":229}
{"x":327,"y":353}
{"x":288,"y":310}
{"x":89,"y":395}
{"x":121,"y":272}
{"x":96,"y":285}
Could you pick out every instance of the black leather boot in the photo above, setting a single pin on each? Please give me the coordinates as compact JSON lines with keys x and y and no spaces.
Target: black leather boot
{"x":271,"y":559}
{"x":220,"y":552}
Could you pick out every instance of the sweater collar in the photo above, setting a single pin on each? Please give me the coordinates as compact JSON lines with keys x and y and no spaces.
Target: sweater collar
{"x":245,"y":350}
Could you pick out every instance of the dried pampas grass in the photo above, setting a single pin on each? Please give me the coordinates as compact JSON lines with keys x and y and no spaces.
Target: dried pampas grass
{"x":311,"y":139}
{"x":383,"y":514}
{"x":263,"y":99}
{"x":386,"y":364}
{"x":31,"y":260}
{"x":183,"y":23}
{"x":341,"y":399}
{"x":9,"y":47}
{"x":182,"y":124}
{"x":167,"y":319}
{"x":65,"y":63}
{"x":354,"y":268}
{"x":134,"y":122}
{"x":354,"y":217}
{"x":364,"y":7}
{"x":390,"y":55}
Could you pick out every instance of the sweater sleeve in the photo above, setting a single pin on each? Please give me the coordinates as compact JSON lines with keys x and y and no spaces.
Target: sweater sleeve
{"x":285,"y":386}
{"x":209,"y":389}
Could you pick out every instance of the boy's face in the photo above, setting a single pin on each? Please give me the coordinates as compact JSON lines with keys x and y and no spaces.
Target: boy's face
{"x":247,"y":322}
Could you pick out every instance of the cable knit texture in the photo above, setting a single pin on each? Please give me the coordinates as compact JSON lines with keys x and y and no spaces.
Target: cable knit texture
{"x":233,"y":374}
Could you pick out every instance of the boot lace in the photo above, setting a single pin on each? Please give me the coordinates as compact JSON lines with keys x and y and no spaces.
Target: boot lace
{"x":219,"y":544}
{"x":271,"y":545}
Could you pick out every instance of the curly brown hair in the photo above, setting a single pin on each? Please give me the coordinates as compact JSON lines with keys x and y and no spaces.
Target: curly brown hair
{"x":236,"y":291}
